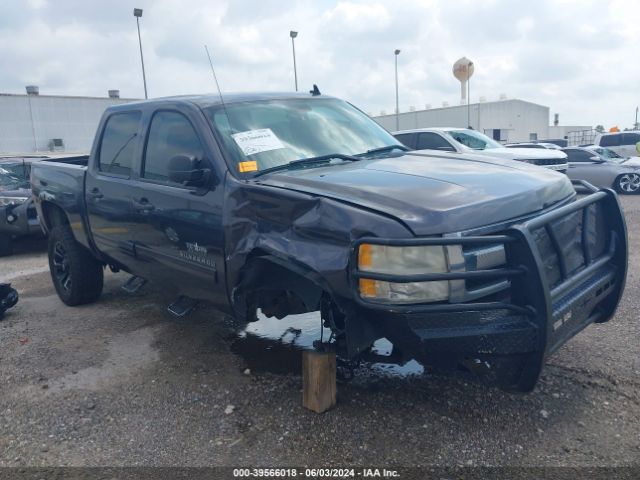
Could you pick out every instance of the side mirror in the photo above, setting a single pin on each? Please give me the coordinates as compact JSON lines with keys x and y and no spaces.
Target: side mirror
{"x":185,"y":170}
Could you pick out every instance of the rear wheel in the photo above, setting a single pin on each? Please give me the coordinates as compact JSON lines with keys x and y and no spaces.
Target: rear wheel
{"x":628,"y":183}
{"x":6,"y":245}
{"x":77,"y":276}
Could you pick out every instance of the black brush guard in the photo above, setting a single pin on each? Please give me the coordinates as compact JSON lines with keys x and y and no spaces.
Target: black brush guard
{"x":552,"y":294}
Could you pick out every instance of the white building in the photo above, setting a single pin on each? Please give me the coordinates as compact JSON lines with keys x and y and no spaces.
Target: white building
{"x":507,"y":121}
{"x":42,"y":123}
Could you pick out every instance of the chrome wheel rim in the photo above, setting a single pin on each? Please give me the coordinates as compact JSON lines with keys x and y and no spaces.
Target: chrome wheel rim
{"x":629,"y":183}
{"x":61,"y":268}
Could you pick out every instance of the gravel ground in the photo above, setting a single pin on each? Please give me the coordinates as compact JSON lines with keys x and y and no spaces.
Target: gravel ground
{"x":122,"y":383}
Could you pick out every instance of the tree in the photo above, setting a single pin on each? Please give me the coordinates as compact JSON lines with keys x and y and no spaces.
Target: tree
{"x":599,"y":128}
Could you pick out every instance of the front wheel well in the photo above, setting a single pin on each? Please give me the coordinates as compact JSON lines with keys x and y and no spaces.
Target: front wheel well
{"x":277,"y":290}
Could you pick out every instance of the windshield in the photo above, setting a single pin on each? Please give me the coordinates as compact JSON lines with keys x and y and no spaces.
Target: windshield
{"x":265,"y":134}
{"x":473,"y":139}
{"x":609,"y":154}
{"x":14,"y":176}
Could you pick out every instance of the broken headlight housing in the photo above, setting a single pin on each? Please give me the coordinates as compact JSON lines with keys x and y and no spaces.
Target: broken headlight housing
{"x":403,"y":261}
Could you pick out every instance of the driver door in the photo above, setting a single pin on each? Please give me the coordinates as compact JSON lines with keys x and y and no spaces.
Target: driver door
{"x":582,"y":166}
{"x":178,"y":229}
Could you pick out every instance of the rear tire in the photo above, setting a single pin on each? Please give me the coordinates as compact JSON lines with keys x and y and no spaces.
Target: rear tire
{"x":6,"y":245}
{"x":77,"y":276}
{"x":629,"y":183}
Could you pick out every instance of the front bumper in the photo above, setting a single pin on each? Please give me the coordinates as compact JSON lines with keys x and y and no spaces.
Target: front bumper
{"x":564,"y":270}
{"x":19,"y":220}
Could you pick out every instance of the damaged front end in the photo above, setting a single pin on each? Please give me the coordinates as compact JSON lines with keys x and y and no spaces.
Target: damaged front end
{"x":494,"y":300}
{"x":514,"y":296}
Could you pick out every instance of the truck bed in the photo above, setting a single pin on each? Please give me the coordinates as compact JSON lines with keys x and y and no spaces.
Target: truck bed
{"x":60,"y":182}
{"x":69,"y":160}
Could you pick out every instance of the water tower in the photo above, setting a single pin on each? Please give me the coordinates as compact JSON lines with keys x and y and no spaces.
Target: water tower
{"x":462,"y":70}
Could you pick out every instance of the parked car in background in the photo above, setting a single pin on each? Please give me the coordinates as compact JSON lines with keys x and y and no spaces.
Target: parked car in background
{"x":603,"y":167}
{"x":560,"y":142}
{"x":550,"y":146}
{"x":465,"y":140}
{"x":17,"y":214}
{"x":623,"y":143}
{"x":18,"y":217}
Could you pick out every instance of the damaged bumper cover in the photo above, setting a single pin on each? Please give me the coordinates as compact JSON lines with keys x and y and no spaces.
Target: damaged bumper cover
{"x":560,"y":272}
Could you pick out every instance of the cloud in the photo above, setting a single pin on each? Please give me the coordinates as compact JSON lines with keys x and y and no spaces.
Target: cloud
{"x":576,"y":56}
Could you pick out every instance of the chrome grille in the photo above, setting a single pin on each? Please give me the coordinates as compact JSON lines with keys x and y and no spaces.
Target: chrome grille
{"x":549,"y":161}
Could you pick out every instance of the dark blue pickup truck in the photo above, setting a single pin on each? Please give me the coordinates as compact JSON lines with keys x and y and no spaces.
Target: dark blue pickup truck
{"x":292,"y":203}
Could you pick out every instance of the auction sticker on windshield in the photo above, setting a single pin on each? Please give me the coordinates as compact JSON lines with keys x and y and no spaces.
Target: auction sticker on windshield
{"x":257,"y":141}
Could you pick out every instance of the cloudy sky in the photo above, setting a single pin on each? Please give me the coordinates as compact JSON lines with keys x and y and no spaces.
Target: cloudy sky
{"x":579,"y":57}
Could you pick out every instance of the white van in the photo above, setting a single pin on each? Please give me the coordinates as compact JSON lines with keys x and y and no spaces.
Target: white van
{"x":623,"y":143}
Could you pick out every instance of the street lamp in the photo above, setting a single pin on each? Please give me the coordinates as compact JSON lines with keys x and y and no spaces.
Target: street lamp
{"x":397,"y":52}
{"x":470,"y":70}
{"x":137,"y":12}
{"x":293,"y":35}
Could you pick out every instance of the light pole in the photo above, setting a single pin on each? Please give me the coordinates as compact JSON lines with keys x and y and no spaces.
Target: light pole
{"x":469,"y":67}
{"x":137,"y":12}
{"x":635,"y":125}
{"x":293,"y":35}
{"x":397,"y":52}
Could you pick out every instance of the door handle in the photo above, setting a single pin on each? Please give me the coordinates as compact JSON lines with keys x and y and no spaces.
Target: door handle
{"x":96,"y":193}
{"x":143,"y":205}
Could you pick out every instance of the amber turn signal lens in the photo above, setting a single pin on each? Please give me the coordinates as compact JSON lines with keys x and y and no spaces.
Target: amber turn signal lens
{"x":365,"y":256}
{"x":367,"y":287}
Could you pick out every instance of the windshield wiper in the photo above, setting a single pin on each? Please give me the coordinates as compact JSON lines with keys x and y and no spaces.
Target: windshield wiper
{"x":386,"y":148}
{"x":308,"y":161}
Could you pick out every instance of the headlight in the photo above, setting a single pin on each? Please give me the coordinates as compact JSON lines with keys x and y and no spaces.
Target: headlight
{"x":403,"y":261}
{"x":7,"y":201}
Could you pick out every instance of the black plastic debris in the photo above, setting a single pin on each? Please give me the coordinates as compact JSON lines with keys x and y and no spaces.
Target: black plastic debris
{"x":8,"y":298}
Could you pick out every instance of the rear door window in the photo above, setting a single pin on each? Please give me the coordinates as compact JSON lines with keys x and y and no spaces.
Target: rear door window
{"x":575,"y":155}
{"x":119,"y":143}
{"x":610,"y":140}
{"x":433,"y":141}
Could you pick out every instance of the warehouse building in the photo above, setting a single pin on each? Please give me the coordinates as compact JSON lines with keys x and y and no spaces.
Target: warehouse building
{"x":505,"y":120}
{"x":44,"y":123}
{"x":31,"y":122}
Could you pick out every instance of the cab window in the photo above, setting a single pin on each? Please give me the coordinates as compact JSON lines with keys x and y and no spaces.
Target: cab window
{"x":170,"y":134}
{"x":118,"y":144}
{"x":406,"y":139}
{"x":433,"y":141}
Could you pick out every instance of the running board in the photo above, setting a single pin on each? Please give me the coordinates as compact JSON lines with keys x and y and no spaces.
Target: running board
{"x":133,"y":284}
{"x":182,"y":306}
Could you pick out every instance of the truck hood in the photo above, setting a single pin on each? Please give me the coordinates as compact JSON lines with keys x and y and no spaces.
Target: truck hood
{"x":523,"y":153}
{"x":433,"y":193}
